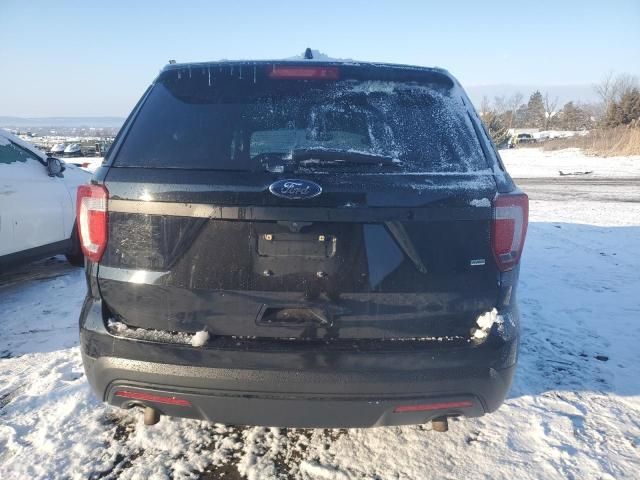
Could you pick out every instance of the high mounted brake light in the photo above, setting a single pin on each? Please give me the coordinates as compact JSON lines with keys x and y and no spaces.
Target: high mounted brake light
{"x":310,"y":73}
{"x":509,"y":229}
{"x":91,"y":207}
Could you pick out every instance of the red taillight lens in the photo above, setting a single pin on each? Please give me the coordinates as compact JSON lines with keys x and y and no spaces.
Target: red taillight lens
{"x":310,"y":73}
{"x":91,"y":220}
{"x":432,"y":406}
{"x":509,"y":229}
{"x":148,"y":397}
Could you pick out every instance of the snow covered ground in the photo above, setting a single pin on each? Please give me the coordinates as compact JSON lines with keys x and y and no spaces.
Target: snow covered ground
{"x":92,"y":163}
{"x":573,"y":411}
{"x":535,"y":162}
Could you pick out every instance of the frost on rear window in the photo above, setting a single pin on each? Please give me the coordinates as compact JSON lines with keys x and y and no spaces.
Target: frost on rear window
{"x":229,"y":123}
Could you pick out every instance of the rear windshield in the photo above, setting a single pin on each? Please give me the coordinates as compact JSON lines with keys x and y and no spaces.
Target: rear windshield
{"x":222,"y":120}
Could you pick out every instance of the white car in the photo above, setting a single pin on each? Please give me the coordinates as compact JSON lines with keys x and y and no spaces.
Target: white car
{"x":37,"y":204}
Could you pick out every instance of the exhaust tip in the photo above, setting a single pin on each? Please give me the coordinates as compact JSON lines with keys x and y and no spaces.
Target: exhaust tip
{"x":440,"y":424}
{"x":151,"y":416}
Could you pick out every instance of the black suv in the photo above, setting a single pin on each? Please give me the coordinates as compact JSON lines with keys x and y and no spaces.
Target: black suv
{"x":305,"y":244}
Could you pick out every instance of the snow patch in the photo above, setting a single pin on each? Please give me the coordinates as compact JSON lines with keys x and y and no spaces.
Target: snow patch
{"x":446,"y":338}
{"x":322,"y":472}
{"x":485,"y":322}
{"x":535,"y":162}
{"x":482,"y":202}
{"x":318,"y":56}
{"x":149,"y":335}
{"x":196,"y":340}
{"x":200,"y":338}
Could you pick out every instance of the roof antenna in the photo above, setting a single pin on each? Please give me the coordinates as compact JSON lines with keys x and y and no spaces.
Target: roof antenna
{"x":172,"y":62}
{"x":308,"y":54}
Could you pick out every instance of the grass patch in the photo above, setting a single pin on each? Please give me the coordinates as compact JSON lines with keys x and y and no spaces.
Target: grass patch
{"x":610,"y":142}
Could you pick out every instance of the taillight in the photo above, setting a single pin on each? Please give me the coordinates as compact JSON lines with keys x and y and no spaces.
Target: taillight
{"x":91,"y":210}
{"x":310,"y":73}
{"x":509,"y":229}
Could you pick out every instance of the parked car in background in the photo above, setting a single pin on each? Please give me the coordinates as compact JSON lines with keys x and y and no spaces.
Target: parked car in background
{"x":524,"y":138}
{"x":57,"y":150}
{"x":73,"y":150}
{"x":302,"y":244}
{"x":37,"y":204}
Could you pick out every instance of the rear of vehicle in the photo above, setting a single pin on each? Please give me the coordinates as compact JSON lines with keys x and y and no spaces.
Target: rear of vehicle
{"x":337,"y":230}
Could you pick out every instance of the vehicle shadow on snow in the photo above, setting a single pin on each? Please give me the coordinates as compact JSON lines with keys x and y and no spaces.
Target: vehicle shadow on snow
{"x":579,"y":304}
{"x":41,"y":270}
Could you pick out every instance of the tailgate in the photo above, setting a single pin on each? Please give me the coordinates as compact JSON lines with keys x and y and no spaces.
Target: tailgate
{"x":352,"y":264}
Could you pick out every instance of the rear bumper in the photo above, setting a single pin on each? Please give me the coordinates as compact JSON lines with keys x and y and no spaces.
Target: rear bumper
{"x":300,"y":387}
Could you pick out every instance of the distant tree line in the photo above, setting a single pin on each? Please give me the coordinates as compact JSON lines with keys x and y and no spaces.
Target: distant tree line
{"x":620,"y":97}
{"x":619,"y":105}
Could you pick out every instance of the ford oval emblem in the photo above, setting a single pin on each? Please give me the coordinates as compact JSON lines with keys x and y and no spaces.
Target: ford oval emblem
{"x":295,"y":189}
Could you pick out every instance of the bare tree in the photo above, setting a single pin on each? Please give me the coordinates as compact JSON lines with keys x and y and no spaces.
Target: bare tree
{"x":550,"y":109}
{"x":623,"y":85}
{"x":613,"y":87}
{"x":605,"y":88}
{"x":485,"y":106}
{"x":500,"y":104}
{"x":513,"y":104}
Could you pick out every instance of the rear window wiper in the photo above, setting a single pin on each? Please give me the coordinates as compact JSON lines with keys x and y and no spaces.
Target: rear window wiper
{"x":330,"y":156}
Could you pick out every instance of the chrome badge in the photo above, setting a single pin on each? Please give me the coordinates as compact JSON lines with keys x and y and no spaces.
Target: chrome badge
{"x":295,"y":189}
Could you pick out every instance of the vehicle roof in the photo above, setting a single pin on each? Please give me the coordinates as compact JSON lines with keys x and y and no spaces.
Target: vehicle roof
{"x":18,"y":141}
{"x":352,"y":69}
{"x":301,"y":61}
